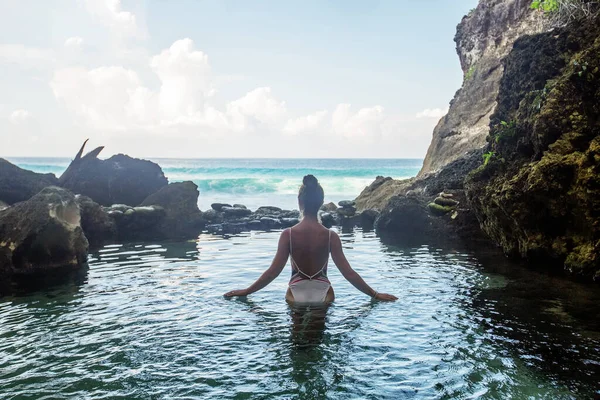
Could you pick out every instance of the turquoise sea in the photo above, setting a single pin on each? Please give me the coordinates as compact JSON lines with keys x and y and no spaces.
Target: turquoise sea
{"x":147,"y":320}
{"x":259,"y":182}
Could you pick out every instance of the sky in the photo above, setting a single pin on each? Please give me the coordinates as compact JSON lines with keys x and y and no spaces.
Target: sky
{"x":208,"y":78}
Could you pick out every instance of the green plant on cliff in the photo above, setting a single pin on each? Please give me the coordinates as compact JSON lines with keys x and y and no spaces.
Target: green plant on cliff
{"x":470,"y":73}
{"x":487,"y":157}
{"x":561,"y":12}
{"x":504,"y":131}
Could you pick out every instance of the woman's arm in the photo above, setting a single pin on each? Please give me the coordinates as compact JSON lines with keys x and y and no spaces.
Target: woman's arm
{"x":281,"y":257}
{"x":337,"y":254}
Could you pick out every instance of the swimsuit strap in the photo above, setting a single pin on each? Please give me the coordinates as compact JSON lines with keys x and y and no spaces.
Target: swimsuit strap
{"x":294,"y":263}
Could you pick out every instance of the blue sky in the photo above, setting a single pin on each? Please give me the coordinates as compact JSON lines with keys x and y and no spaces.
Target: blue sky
{"x":226,"y":78}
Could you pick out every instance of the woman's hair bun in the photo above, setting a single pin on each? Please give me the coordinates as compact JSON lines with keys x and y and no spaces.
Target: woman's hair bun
{"x":310,"y":180}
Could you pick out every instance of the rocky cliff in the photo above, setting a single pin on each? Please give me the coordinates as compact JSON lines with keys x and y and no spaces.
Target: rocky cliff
{"x":483,"y":39}
{"x":538,"y":194}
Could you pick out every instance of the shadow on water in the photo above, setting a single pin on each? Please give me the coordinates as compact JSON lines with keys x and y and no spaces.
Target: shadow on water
{"x":546,"y":323}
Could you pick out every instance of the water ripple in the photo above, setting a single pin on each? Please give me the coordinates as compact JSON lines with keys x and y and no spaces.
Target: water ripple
{"x":149,"y":321}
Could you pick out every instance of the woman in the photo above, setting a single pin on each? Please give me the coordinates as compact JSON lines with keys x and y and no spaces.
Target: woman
{"x":308,"y":244}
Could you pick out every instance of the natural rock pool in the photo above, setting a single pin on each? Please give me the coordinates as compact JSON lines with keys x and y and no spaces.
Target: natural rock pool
{"x":149,"y":321}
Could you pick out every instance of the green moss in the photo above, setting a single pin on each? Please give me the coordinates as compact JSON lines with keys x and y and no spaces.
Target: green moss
{"x":436,"y":209}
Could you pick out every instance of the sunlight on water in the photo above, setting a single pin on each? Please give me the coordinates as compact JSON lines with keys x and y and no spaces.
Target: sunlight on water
{"x":149,"y":321}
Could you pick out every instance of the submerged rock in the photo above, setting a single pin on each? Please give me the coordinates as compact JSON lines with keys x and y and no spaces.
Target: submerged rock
{"x":42,"y":234}
{"x":119,"y":179}
{"x":17,"y":184}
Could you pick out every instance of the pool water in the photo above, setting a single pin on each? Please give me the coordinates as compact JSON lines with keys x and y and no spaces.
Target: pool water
{"x":148,"y":321}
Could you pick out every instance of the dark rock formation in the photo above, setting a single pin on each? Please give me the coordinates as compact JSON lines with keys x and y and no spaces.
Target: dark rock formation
{"x":538,"y":195}
{"x":119,"y":179}
{"x":99,"y":227}
{"x":377,"y":194}
{"x":42,"y":235}
{"x":137,"y":223}
{"x":182,"y":218}
{"x":483,"y":39}
{"x":17,"y":184}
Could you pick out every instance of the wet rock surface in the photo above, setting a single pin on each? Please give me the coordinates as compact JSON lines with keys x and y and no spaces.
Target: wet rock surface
{"x":17,"y":184}
{"x":42,"y":235}
{"x":98,"y":226}
{"x":182,"y":218}
{"x":538,"y":196}
{"x":118,"y":179}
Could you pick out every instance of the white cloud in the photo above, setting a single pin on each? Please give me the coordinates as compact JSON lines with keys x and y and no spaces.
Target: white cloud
{"x":19,"y":116}
{"x":74,"y":42}
{"x":27,"y":57}
{"x":186,"y":80}
{"x":366,"y":122}
{"x":432,"y":113}
{"x":257,"y":107}
{"x":120,"y":22}
{"x":307,"y":124}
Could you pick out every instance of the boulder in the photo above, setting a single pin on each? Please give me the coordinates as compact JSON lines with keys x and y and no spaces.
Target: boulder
{"x":407,"y":218}
{"x":368,"y":218}
{"x":240,"y":206}
{"x":329,"y":207}
{"x":183,"y":219}
{"x":119,"y":179}
{"x":347,"y":203}
{"x":232,"y":212}
{"x":42,"y":235}
{"x":98,"y":225}
{"x":377,"y":194}
{"x":139,"y":223}
{"x":219,"y":206}
{"x":213,"y":216}
{"x":268,"y":210}
{"x":17,"y":184}
{"x":346,"y":211}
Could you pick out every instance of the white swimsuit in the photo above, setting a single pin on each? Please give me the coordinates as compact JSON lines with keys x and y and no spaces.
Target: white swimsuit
{"x":309,"y":289}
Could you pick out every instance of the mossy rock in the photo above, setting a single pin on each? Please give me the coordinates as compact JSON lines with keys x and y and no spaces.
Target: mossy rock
{"x":437,"y":209}
{"x":444,"y":201}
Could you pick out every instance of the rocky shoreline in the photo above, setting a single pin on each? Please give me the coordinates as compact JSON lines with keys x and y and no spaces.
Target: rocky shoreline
{"x":48,"y":225}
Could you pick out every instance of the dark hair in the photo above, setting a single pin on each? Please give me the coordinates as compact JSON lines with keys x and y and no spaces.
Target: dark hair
{"x":311,"y":194}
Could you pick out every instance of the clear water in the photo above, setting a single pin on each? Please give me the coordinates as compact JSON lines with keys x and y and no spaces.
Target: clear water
{"x":148,"y":321}
{"x":259,"y":182}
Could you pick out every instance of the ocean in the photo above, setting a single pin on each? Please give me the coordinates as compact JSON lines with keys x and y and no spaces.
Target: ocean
{"x":259,"y":182}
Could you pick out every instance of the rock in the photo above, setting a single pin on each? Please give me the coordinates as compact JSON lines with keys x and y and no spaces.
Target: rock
{"x":368,"y":218}
{"x":212,"y":216}
{"x":328,"y":220}
{"x":407,"y":219}
{"x":214,"y":228}
{"x":289,"y":214}
{"x":270,"y":223}
{"x":437,"y":209}
{"x":219,"y":206}
{"x":98,"y":226}
{"x":538,"y":196}
{"x":377,"y":194}
{"x":233,"y":228}
{"x":268,"y":210}
{"x":183,"y":219}
{"x":329,"y":207}
{"x":17,"y":184}
{"x":255,"y":225}
{"x":483,"y":39}
{"x":119,"y":179}
{"x":3,"y":205}
{"x":445,"y":201}
{"x":42,"y":235}
{"x":347,"y":203}
{"x":120,"y":207}
{"x":239,"y":206}
{"x":141,"y":224}
{"x":287,"y":222}
{"x":230,"y":212}
{"x":346,"y":211}
{"x":446,"y":195}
